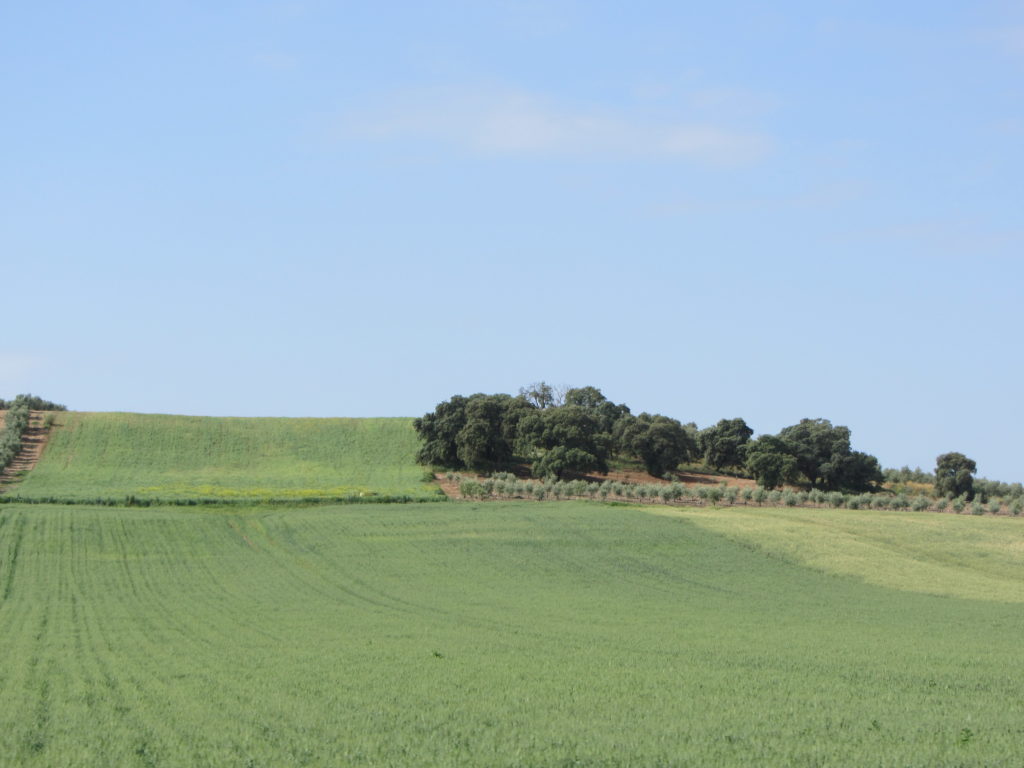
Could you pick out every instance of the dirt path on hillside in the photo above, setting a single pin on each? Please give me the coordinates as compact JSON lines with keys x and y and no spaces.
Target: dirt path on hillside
{"x":32,"y":443}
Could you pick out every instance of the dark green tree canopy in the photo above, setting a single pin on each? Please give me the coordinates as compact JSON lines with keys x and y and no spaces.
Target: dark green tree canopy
{"x":604,"y":410}
{"x":823,"y":456}
{"x":660,"y":442}
{"x":819,"y":452}
{"x":954,"y":475}
{"x":439,"y":431}
{"x":769,"y":461}
{"x":859,"y":472}
{"x":478,"y":432}
{"x":722,"y":445}
{"x":564,"y":430}
{"x":563,"y":439}
{"x":818,"y":448}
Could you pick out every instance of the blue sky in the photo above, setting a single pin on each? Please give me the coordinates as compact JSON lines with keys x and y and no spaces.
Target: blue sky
{"x":354,"y":208}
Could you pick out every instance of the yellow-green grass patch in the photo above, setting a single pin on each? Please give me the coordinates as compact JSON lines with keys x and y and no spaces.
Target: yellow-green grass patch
{"x":940,"y":554}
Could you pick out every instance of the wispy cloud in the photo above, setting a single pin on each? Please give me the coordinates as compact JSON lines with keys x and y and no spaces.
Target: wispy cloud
{"x":516,"y":122}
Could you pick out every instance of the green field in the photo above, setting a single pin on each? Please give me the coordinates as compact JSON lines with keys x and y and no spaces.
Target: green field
{"x":506,"y":634}
{"x":114,"y":455}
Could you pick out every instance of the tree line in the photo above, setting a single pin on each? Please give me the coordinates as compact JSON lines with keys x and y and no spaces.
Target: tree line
{"x":578,"y":430}
{"x":16,"y":422}
{"x":34,"y":403}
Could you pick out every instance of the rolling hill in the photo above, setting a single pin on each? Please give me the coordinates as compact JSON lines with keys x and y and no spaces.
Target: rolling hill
{"x":93,"y":456}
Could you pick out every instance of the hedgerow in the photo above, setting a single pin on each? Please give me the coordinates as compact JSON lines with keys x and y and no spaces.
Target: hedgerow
{"x":15,"y":424}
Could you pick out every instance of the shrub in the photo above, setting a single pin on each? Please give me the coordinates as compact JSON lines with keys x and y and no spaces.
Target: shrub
{"x":759,"y":495}
{"x":977,"y":508}
{"x":958,"y":504}
{"x":1016,"y":506}
{"x":471,"y":489}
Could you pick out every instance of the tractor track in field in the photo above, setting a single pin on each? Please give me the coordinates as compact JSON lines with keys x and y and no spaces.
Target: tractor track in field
{"x":33,"y":441}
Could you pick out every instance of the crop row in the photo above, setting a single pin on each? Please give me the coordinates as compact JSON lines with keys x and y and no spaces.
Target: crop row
{"x":508,"y":486}
{"x":218,"y":501}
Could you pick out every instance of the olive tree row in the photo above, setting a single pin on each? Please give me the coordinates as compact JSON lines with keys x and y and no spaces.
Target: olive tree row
{"x":15,"y":424}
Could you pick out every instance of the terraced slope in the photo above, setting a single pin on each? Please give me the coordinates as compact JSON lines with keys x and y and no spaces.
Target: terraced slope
{"x":114,"y":455}
{"x":501,"y":634}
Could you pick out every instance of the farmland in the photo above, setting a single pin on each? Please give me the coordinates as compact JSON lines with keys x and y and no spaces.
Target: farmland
{"x":507,"y":633}
{"x":113,"y":455}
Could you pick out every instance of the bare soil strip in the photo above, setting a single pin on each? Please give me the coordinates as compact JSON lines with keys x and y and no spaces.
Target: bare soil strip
{"x":32,"y":443}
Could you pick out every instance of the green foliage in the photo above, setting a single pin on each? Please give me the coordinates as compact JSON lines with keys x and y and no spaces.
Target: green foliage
{"x":559,"y":432}
{"x":994,"y":488}
{"x":561,"y":440}
{"x":954,"y":475}
{"x":722,"y":445}
{"x":823,"y":455}
{"x":769,"y":462}
{"x":907,"y":475}
{"x":604,"y":411}
{"x":478,"y":432}
{"x":33,"y":403}
{"x":471,"y":489}
{"x":442,"y":635}
{"x":113,"y":455}
{"x":15,"y":423}
{"x":659,"y":442}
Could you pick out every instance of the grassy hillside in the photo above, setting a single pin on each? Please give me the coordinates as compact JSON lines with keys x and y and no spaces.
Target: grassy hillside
{"x":112,"y":455}
{"x":521,"y":634}
{"x":919,"y":551}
